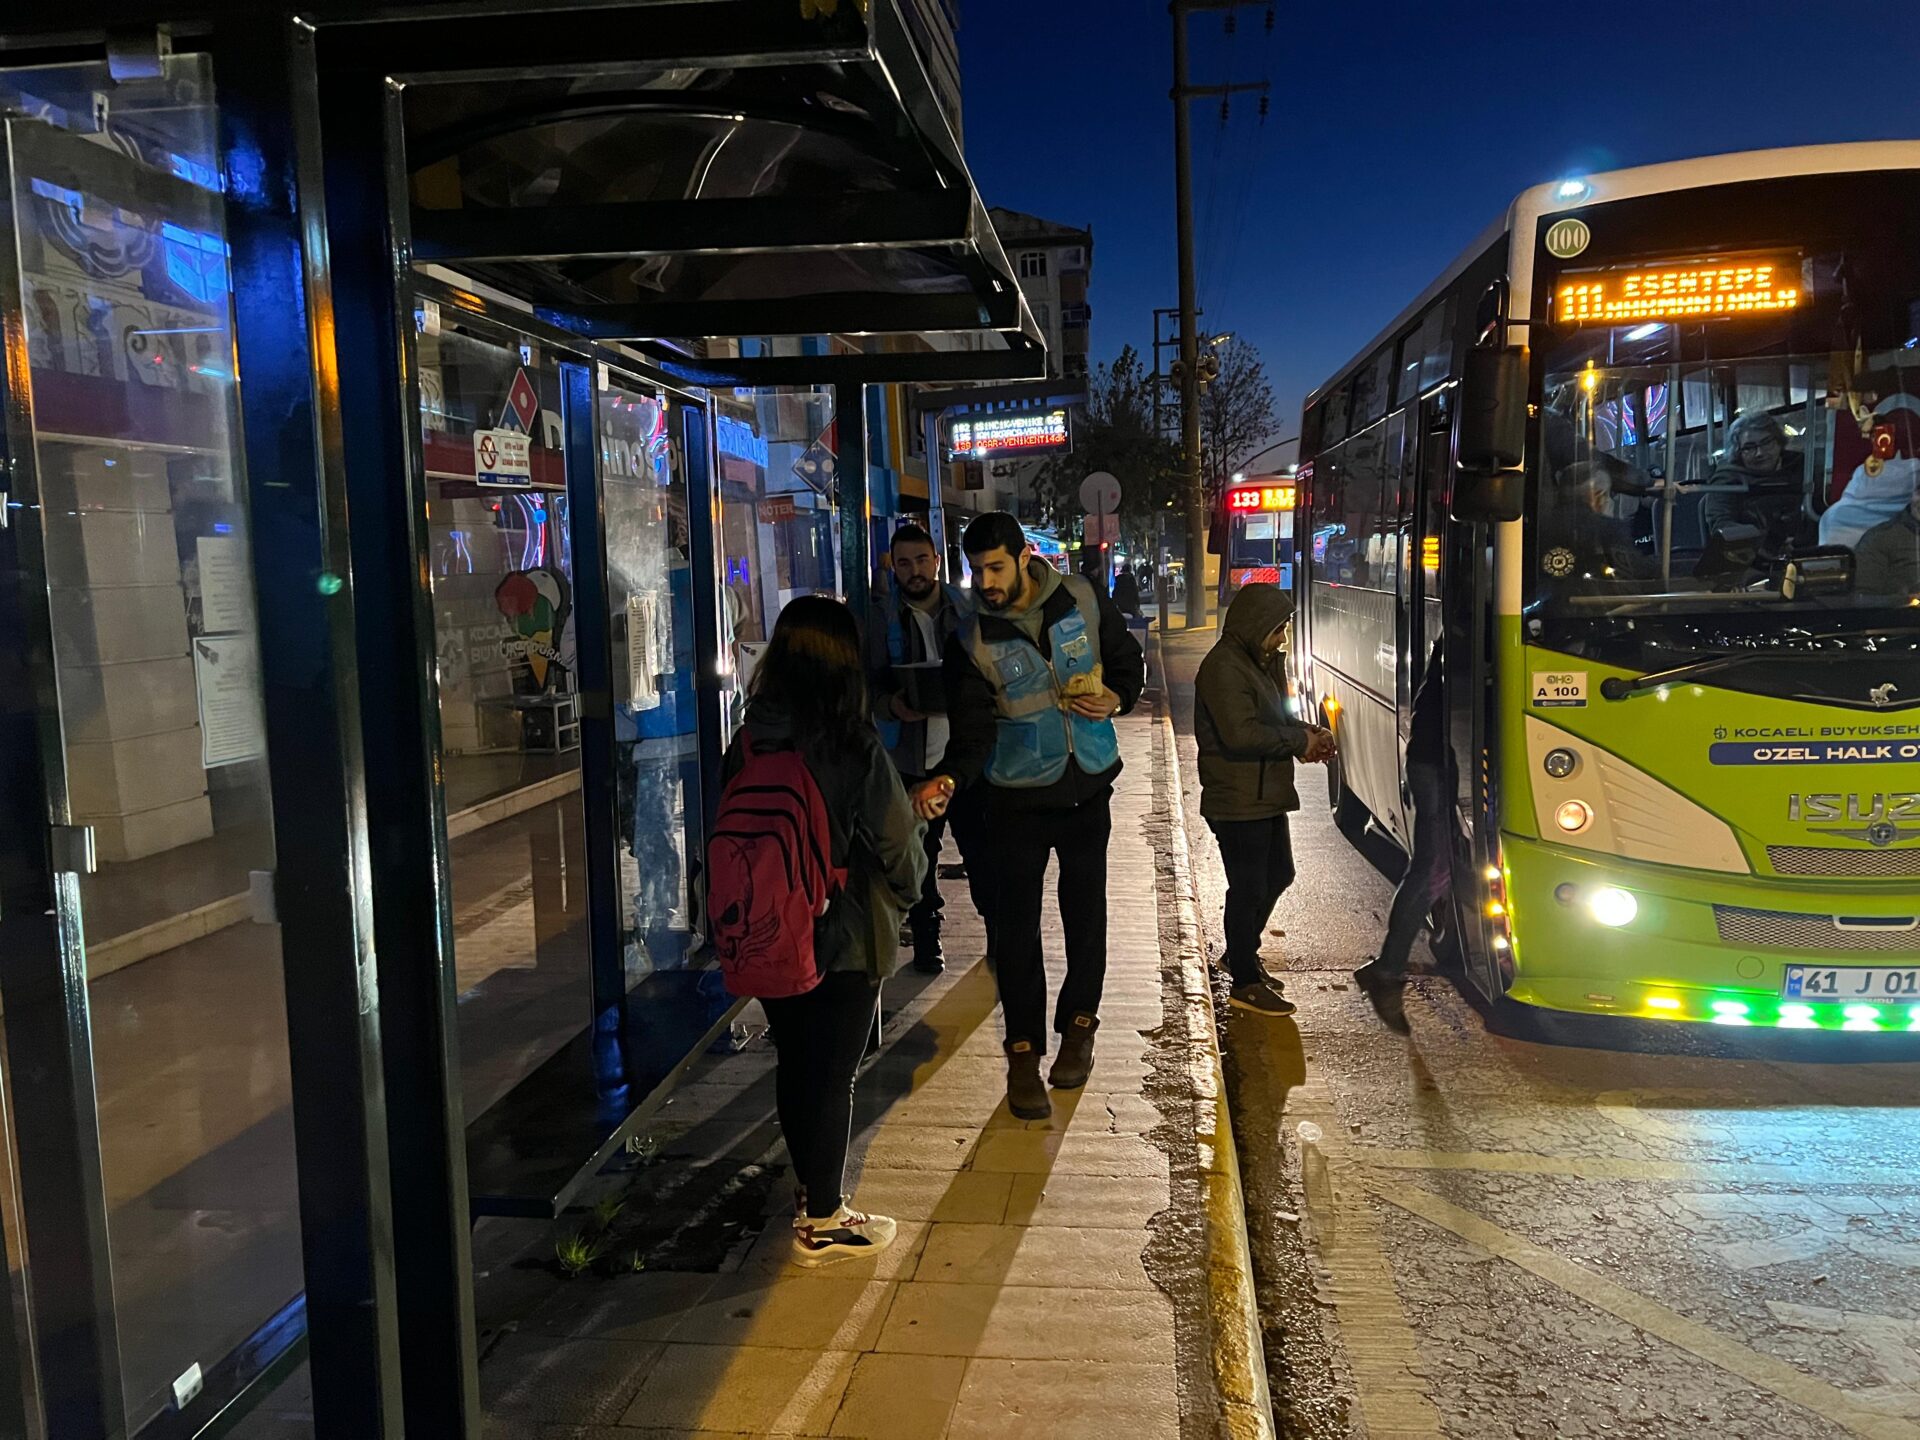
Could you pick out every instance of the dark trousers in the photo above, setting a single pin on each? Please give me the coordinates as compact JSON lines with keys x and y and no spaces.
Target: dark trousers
{"x":1428,"y":872}
{"x":1024,"y":839}
{"x":966,"y":817}
{"x":1258,"y":858}
{"x":818,"y":1040}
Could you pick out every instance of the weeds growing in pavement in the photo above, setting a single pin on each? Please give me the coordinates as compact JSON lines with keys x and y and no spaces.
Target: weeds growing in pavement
{"x":576,"y":1254}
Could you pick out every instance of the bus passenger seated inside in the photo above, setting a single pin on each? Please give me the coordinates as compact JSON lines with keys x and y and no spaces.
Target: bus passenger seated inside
{"x":1884,"y":481}
{"x":1887,"y":557}
{"x":1754,"y":507}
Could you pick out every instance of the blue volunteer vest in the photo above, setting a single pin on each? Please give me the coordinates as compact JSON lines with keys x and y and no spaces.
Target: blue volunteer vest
{"x":1036,"y":738}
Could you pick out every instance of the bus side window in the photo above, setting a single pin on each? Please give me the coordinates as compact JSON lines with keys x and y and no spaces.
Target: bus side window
{"x":1362,"y":511}
{"x":1433,"y":462}
{"x":1329,"y":551}
{"x":1396,"y":491}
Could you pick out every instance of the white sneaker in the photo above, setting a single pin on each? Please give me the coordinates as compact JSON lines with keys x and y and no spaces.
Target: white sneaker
{"x":849,"y":1235}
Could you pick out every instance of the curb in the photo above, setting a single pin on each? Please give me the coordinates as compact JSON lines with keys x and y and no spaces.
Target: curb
{"x":1238,"y":1357}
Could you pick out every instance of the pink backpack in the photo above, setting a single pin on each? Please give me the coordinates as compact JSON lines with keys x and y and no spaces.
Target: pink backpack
{"x":770,"y":874}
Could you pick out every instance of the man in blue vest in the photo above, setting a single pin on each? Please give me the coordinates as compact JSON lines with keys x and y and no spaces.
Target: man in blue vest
{"x":907,"y":637}
{"x":1034,"y":679}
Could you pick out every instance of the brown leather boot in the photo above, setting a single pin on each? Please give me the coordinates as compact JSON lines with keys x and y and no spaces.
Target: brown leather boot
{"x":1026,"y":1096}
{"x":1075,"y":1061}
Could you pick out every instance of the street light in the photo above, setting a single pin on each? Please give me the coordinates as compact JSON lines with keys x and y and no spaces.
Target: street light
{"x":1291,"y":439}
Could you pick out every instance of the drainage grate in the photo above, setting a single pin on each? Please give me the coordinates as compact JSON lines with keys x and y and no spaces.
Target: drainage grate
{"x":1786,"y":930}
{"x":1903,"y":864}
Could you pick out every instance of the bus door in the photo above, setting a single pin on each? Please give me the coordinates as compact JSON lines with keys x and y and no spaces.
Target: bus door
{"x":1423,"y":517}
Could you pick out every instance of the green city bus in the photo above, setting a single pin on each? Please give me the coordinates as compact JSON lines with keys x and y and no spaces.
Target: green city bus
{"x":1645,"y":456}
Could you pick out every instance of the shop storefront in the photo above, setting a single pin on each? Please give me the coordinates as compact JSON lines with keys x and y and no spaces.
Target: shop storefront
{"x":386,"y":541}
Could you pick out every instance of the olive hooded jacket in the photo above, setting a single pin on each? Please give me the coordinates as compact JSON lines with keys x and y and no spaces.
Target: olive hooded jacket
{"x":1248,"y":742}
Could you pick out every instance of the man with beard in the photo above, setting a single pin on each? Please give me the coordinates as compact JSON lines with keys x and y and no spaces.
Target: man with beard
{"x":907,"y":637}
{"x":1034,"y":679}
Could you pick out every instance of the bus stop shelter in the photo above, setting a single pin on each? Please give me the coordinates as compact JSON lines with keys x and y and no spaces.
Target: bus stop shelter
{"x":239,"y":247}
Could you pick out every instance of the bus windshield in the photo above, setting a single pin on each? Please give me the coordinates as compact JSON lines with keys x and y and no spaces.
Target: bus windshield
{"x":1726,"y":464}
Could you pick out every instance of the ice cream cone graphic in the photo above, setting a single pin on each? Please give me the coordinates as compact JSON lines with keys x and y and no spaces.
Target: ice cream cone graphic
{"x":535,"y":604}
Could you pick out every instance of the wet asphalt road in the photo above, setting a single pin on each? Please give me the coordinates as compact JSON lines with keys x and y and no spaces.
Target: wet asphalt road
{"x":1482,"y":1236}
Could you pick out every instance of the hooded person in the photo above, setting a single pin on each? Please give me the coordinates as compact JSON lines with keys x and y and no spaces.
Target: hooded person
{"x":1248,"y":745}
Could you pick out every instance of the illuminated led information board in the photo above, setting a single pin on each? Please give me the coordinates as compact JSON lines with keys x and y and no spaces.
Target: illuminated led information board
{"x":1259,"y":497}
{"x":1687,"y":290}
{"x":1018,"y":432}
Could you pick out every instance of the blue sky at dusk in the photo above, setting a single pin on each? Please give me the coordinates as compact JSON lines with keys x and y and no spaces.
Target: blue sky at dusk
{"x":1397,"y":132}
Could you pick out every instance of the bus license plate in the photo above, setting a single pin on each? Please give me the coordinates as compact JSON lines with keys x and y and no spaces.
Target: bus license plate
{"x":1852,"y":982}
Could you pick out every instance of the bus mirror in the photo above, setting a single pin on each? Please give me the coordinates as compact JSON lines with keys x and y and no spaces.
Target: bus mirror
{"x":1490,"y":444}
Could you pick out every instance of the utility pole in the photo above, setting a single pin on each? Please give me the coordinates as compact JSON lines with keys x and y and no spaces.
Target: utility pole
{"x":1163,"y":373}
{"x":1184,"y":93}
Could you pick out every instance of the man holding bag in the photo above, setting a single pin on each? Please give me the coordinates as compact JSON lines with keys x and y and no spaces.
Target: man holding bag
{"x":906,"y":642}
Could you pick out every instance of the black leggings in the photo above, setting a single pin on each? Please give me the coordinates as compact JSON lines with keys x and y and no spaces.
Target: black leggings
{"x":818,"y":1040}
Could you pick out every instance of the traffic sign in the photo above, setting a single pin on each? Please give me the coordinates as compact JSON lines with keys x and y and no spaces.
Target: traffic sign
{"x":1102,"y":529}
{"x":1100,"y":493}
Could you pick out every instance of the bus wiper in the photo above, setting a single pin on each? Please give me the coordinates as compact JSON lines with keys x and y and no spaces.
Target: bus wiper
{"x":1614,"y":688}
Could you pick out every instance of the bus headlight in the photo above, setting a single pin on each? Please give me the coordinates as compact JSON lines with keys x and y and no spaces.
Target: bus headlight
{"x":1560,"y":763}
{"x":1612,"y":906}
{"x":1611,"y":807}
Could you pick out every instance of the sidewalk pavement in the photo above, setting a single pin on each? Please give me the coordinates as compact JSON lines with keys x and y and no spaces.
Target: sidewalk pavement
{"x":1080,"y":1276}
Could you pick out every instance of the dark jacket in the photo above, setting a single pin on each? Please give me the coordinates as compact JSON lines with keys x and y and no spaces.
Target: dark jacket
{"x":876,"y":836}
{"x":909,"y":751}
{"x":1427,"y":742}
{"x":1247,"y":741}
{"x":1887,"y":558}
{"x":975,"y":717}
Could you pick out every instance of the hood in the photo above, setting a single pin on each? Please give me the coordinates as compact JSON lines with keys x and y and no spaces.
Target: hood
{"x":769,"y":720}
{"x":1254,"y":614}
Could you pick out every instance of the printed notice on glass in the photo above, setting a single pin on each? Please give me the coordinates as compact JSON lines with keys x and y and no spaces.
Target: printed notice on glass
{"x":226,"y":671}
{"x":643,"y":651}
{"x":225,"y":588}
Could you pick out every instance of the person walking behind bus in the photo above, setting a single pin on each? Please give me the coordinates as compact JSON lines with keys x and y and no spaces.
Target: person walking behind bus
{"x":1248,"y":744}
{"x":770,"y":874}
{"x":1034,"y":679}
{"x":1431,"y":776}
{"x":906,"y":646}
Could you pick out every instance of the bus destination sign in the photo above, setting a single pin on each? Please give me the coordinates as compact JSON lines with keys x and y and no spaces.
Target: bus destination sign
{"x":1246,"y":498}
{"x":1684,"y":290}
{"x":1010,"y":432}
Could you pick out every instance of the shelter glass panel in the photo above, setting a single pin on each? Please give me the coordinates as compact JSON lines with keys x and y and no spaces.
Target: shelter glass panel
{"x":502,"y":572}
{"x":118,"y":246}
{"x":775,"y":459}
{"x":650,"y":589}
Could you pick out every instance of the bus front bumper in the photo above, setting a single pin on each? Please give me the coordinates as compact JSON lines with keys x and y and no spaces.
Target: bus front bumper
{"x":1614,"y":937}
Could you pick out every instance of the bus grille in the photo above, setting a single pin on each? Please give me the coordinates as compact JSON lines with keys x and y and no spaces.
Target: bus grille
{"x":1852,"y":864}
{"x":1788,"y":930}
